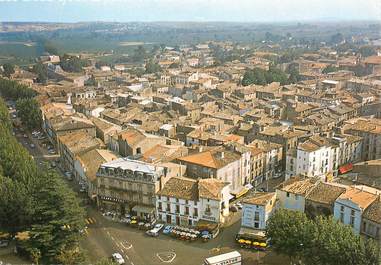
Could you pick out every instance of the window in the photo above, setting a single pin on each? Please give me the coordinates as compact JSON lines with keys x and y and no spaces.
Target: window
{"x":195,"y":212}
{"x":187,"y":210}
{"x":138,"y":150}
{"x":352,"y":218}
{"x":177,"y":208}
{"x":288,"y":194}
{"x":352,"y":221}
{"x":256,"y":216}
{"x":296,"y":197}
{"x":159,"y":206}
{"x":207,"y":209}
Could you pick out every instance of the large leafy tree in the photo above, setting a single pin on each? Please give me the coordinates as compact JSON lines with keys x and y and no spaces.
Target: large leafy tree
{"x":290,"y":232}
{"x":320,"y":241}
{"x":152,"y":67}
{"x":29,"y":112}
{"x":37,"y":201}
{"x":13,"y":90}
{"x":72,"y":63}
{"x":41,"y":71}
{"x":260,"y":76}
{"x":9,"y":69}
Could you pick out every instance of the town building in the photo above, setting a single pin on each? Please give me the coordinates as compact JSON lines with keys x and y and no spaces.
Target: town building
{"x":185,"y":202}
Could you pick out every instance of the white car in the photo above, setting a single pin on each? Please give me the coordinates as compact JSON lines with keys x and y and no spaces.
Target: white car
{"x":155,"y":231}
{"x":117,"y":257}
{"x":158,"y":227}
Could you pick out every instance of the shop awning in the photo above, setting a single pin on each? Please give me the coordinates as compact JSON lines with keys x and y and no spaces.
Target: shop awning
{"x":345,"y":168}
{"x":143,"y":209}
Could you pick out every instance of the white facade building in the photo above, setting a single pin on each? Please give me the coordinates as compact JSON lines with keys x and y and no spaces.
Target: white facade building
{"x":185,"y":201}
{"x":257,"y":210}
{"x":350,"y":206}
{"x":314,"y":158}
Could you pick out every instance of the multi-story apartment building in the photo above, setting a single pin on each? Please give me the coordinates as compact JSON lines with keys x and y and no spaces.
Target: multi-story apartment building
{"x":370,"y":131}
{"x":350,"y":206}
{"x":184,"y":201}
{"x":257,"y":210}
{"x":128,"y":185}
{"x":315,"y":157}
{"x":219,"y":163}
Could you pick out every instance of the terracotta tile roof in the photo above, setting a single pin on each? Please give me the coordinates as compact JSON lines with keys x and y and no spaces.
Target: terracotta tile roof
{"x":132,"y":136}
{"x":373,"y":212}
{"x":362,"y":198}
{"x":298,"y":186}
{"x":182,"y":188}
{"x":260,"y":198}
{"x":211,"y":188}
{"x":325,"y":193}
{"x":92,"y":160}
{"x":78,"y":142}
{"x":212,"y":158}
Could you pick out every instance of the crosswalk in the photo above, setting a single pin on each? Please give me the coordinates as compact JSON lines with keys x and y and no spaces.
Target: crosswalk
{"x":90,"y":220}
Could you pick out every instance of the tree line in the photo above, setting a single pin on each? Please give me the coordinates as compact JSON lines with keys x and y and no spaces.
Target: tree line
{"x":36,"y":201}
{"x":27,"y":106}
{"x":319,"y":241}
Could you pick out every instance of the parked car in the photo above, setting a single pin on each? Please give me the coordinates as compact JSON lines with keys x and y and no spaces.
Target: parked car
{"x":117,"y":257}
{"x":239,"y":205}
{"x":150,"y":224}
{"x":155,"y":231}
{"x":167,"y":230}
{"x":4,"y":243}
{"x":32,"y":146}
{"x":25,"y":136}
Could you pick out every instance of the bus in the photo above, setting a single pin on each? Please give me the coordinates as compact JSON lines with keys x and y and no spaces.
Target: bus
{"x":231,"y":258}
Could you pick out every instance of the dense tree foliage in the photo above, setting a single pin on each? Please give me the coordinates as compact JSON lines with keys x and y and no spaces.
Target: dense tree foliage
{"x":72,"y":63}
{"x":37,"y":201}
{"x":29,"y":112}
{"x":139,"y":54}
{"x":41,"y":71}
{"x":260,"y":76}
{"x":330,"y":69}
{"x":152,"y":67}
{"x":366,"y":51}
{"x":8,"y":69}
{"x":320,"y":241}
{"x":13,"y":90}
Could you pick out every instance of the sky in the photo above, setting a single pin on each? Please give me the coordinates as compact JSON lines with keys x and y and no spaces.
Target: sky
{"x":188,"y":10}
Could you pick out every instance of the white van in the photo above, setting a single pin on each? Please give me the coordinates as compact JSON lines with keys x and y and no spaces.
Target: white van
{"x":231,"y":258}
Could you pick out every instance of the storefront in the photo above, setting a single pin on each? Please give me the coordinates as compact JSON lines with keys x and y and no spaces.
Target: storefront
{"x":112,"y":204}
{"x":144,"y":212}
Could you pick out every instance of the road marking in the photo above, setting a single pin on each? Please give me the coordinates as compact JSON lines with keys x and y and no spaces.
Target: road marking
{"x":166,"y":257}
{"x":126,"y":247}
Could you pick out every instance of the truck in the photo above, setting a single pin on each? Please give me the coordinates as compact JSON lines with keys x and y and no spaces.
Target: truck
{"x":231,"y":258}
